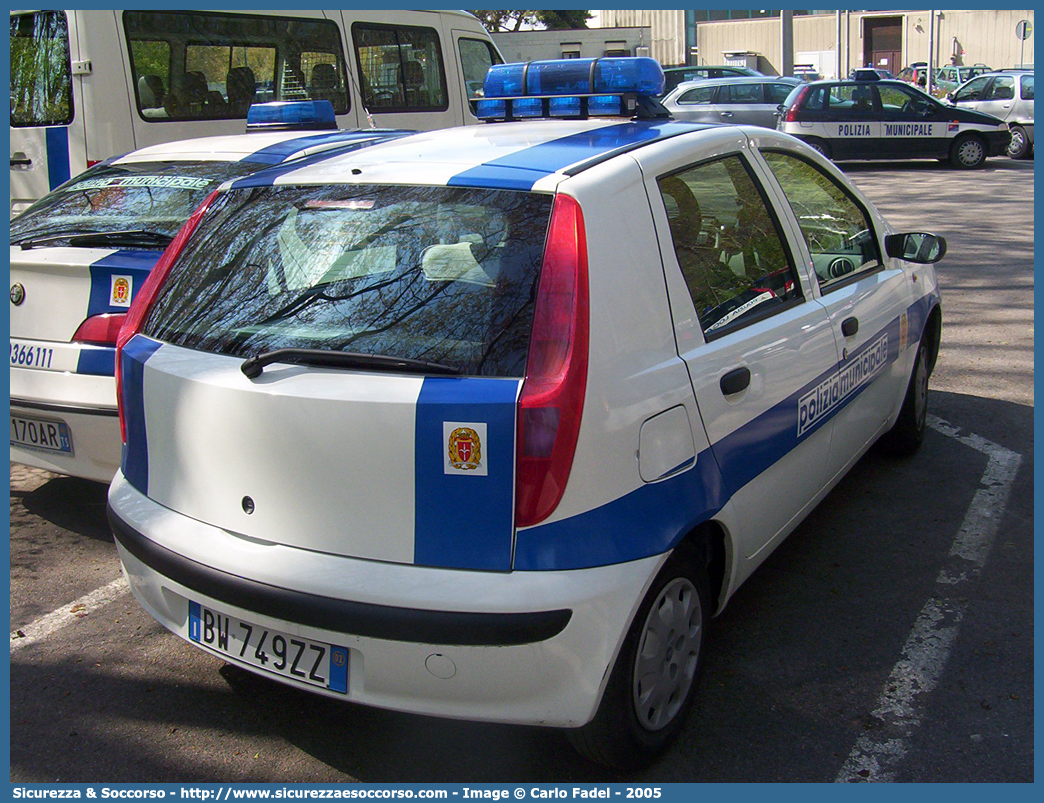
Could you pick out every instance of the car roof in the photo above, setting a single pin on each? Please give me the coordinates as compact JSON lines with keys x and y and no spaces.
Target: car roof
{"x":528,"y":156}
{"x":855,"y":82}
{"x":684,"y":86}
{"x":742,"y":79}
{"x":266,"y":147}
{"x":706,"y":67}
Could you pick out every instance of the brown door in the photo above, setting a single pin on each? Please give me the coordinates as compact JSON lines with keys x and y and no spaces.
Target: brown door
{"x":886,"y":60}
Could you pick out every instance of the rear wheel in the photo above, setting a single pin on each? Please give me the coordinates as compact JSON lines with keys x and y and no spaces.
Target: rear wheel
{"x":819,"y":145}
{"x":968,"y":152}
{"x":907,"y":434}
{"x":1019,"y":145}
{"x":653,"y":681}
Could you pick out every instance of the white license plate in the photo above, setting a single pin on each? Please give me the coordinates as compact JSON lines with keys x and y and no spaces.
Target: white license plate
{"x":314,"y":663}
{"x":53,"y":436}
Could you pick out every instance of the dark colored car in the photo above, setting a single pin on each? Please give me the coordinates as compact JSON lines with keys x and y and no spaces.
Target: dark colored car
{"x":889,"y":120}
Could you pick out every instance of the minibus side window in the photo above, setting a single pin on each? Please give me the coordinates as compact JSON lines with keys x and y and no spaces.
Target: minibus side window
{"x":41,"y":77}
{"x":208,"y":65}
{"x":400,"y":68}
{"x":476,"y":57}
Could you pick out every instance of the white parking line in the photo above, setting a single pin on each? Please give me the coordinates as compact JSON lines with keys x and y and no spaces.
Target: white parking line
{"x":55,"y":620}
{"x":876,"y":756}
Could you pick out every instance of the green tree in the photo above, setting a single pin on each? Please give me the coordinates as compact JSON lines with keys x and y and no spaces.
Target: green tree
{"x":503,"y":20}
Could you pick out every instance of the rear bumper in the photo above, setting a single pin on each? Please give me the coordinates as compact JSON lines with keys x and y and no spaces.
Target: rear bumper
{"x":998,"y":142}
{"x":86,"y":404}
{"x":523,"y":647}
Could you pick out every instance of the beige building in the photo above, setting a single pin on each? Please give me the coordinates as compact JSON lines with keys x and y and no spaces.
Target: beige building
{"x":890,"y":39}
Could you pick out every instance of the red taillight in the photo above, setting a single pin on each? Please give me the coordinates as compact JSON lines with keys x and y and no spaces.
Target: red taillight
{"x":139,"y":308}
{"x":552,"y":400}
{"x":92,"y":162}
{"x":100,"y":330}
{"x":799,"y":101}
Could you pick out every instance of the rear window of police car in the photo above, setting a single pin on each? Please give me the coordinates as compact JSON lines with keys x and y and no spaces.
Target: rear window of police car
{"x":438,"y":274}
{"x":157,"y":196}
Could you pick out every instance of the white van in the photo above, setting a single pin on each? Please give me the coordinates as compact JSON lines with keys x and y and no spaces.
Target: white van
{"x":88,"y":85}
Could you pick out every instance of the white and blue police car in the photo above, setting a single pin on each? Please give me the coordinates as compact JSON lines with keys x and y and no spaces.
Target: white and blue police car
{"x":81,"y":254}
{"x":871,"y":118}
{"x":488,"y":422}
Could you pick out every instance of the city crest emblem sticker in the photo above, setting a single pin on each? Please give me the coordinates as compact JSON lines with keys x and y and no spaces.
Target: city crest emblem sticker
{"x":465,"y":448}
{"x":121,"y":291}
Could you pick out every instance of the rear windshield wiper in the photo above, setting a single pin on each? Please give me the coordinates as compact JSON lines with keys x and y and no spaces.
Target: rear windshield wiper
{"x":140,"y":237}
{"x":253,"y":366}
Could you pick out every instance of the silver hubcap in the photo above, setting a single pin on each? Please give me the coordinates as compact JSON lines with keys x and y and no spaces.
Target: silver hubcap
{"x":668,"y":651}
{"x":970,"y":152}
{"x":1017,"y":141}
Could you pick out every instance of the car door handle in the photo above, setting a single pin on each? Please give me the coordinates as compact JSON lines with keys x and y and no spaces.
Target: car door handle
{"x":20,"y":159}
{"x":735,"y":380}
{"x":725,"y":114}
{"x":849,"y":326}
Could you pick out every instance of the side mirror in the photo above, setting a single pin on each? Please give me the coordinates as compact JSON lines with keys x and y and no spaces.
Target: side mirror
{"x":949,"y":97}
{"x":916,"y":247}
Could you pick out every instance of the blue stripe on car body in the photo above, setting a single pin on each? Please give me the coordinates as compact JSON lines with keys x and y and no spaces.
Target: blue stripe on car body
{"x":654,"y":517}
{"x":278,"y":153}
{"x":136,"y":264}
{"x":267,"y":176}
{"x":134,"y":462}
{"x":57,"y":145}
{"x":97,"y":361}
{"x":647,"y":521}
{"x":523,"y":168}
{"x":461,"y":521}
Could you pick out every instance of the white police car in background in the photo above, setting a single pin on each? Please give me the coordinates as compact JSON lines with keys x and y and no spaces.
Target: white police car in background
{"x":80,"y":254}
{"x":487,"y":422}
{"x":870,"y":118}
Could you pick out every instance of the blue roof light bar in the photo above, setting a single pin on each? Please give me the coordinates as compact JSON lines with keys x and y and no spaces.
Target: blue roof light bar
{"x":281,"y":115}
{"x":573,"y":88}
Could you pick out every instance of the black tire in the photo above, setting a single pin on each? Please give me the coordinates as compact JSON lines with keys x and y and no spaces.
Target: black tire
{"x":907,"y":434}
{"x":1019,"y":146}
{"x":968,"y":152}
{"x":819,"y":145}
{"x":666,"y":640}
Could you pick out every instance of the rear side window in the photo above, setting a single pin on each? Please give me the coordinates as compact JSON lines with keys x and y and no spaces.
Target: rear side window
{"x":700,"y":96}
{"x":777,"y":93}
{"x":1027,"y":87}
{"x":837,"y":230}
{"x":41,"y":79}
{"x":1003,"y":88}
{"x":400,"y":68}
{"x":206,"y":65}
{"x":741,"y":93}
{"x":728,"y":244}
{"x":439,"y":274}
{"x":856,"y":99}
{"x":152,"y":196}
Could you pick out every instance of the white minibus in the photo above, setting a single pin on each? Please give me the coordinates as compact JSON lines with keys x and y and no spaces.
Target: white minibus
{"x":87,"y":85}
